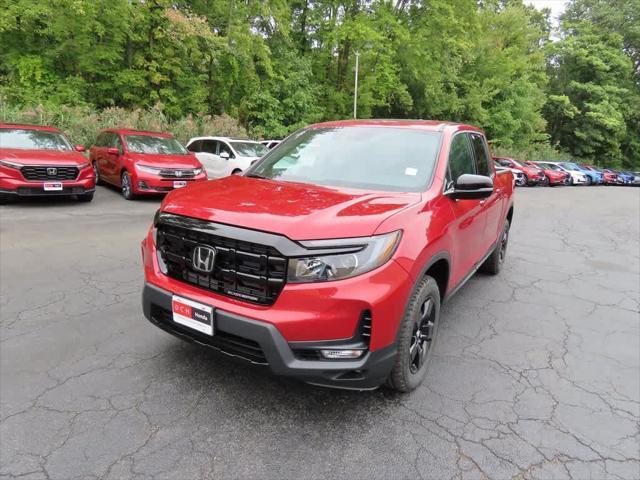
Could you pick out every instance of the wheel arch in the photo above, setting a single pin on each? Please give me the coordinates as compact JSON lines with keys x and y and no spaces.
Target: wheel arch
{"x":510,"y":214}
{"x":439,"y":268}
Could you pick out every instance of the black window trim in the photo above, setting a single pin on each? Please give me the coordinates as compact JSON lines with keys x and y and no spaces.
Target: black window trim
{"x":448,"y":179}
{"x":485,"y":145}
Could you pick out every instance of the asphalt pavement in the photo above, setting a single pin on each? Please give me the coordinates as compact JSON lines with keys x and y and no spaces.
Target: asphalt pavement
{"x":536,"y":374}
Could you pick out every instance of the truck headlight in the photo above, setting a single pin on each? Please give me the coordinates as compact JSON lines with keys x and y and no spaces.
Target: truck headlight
{"x":371,"y":253}
{"x":146,"y":169}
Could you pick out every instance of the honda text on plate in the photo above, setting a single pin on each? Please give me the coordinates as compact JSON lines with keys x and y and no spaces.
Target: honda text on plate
{"x":329,"y":259}
{"x":143,"y":163}
{"x":40,"y":161}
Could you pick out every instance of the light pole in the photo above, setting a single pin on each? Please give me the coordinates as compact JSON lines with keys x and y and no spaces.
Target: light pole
{"x":355,"y":90}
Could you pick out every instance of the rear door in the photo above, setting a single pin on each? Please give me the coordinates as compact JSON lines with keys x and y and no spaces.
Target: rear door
{"x":491,"y":206}
{"x":111,"y":161}
{"x":97,"y":153}
{"x":469,"y":223}
{"x":208,"y":157}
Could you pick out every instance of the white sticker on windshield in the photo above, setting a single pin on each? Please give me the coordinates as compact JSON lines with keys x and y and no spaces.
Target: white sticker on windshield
{"x":411,"y":171}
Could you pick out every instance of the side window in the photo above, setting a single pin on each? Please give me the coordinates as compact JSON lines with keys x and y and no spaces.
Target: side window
{"x":116,"y":142}
{"x":100,"y":140}
{"x":195,"y":146}
{"x":226,"y":148}
{"x":460,"y":157}
{"x":481,"y":153}
{"x":209,"y":146}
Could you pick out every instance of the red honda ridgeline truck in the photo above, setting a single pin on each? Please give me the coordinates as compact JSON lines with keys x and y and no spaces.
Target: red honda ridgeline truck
{"x":329,"y":259}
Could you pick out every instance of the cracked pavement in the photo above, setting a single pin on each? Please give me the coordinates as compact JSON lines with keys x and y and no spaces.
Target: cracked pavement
{"x":536,"y":374}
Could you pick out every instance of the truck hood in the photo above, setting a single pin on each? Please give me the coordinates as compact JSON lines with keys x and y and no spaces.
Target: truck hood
{"x":166,"y":161}
{"x":298,"y":211}
{"x":42,"y":157}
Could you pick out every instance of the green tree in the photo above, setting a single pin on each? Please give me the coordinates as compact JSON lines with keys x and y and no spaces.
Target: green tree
{"x":588,"y":104}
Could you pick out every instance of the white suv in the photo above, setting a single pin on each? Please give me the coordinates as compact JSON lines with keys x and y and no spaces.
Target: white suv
{"x":223,"y":156}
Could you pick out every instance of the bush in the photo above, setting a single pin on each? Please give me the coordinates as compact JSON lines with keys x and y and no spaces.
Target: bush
{"x":82,"y":123}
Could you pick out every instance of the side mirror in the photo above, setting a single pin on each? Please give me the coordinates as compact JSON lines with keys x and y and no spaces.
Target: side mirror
{"x":80,"y":148}
{"x":224,"y":155}
{"x":468,"y":187}
{"x":113,"y":151}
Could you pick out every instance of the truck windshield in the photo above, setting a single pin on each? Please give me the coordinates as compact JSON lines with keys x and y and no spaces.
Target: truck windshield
{"x":25,"y":139}
{"x":367,"y":157}
{"x":154,"y":145}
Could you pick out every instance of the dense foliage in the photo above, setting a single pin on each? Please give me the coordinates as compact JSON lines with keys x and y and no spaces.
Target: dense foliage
{"x":274,"y":65}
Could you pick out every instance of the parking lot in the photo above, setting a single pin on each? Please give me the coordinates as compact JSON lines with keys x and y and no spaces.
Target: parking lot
{"x":536,"y":374}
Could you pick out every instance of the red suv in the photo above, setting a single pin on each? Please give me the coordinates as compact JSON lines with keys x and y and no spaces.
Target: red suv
{"x":554,"y":175}
{"x":142,"y":163}
{"x":534,"y":174}
{"x":40,"y":161}
{"x":329,"y":258}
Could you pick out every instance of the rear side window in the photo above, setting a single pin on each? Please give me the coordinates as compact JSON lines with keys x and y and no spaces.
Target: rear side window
{"x":460,"y":157}
{"x":195,"y":146}
{"x":209,"y":146}
{"x":481,"y":153}
{"x":100,"y":140}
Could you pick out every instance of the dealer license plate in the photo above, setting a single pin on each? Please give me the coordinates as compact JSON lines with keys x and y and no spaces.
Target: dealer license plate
{"x":194,"y":315}
{"x":52,"y":187}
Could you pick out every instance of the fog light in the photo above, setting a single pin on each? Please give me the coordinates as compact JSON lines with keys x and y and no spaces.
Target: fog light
{"x":142,"y":185}
{"x":338,"y":354}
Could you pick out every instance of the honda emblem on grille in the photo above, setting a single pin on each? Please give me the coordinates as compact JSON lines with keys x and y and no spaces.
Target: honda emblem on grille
{"x":52,"y":171}
{"x":203,"y":259}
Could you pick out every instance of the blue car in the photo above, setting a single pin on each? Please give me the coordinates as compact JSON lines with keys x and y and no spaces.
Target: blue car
{"x":626,"y":178}
{"x":593,"y":177}
{"x":599,"y":173}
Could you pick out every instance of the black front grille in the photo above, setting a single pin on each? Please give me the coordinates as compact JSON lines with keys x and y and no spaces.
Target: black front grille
{"x":39,"y":191}
{"x":226,"y":342}
{"x":176,"y":173}
{"x":44,"y":173}
{"x":243,"y":270}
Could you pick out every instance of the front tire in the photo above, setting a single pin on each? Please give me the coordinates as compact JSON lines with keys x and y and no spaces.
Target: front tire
{"x":417,"y":337}
{"x":546,"y":182}
{"x":589,"y":181}
{"x":126,"y":186}
{"x":493,"y":264}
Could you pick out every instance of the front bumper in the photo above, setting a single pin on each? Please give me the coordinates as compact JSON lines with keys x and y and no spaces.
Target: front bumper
{"x":13,"y":183}
{"x":147,"y":183}
{"x":261,"y":343}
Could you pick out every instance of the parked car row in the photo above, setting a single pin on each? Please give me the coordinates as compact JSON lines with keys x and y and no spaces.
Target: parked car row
{"x":41,"y":161}
{"x":548,"y":173}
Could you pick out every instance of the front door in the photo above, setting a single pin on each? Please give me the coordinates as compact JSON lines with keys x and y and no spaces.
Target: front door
{"x":469,"y":224}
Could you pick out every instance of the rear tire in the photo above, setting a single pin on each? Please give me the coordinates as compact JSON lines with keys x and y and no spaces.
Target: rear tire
{"x":126,"y":186}
{"x":416,"y":337}
{"x":493,"y":264}
{"x":85,"y":197}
